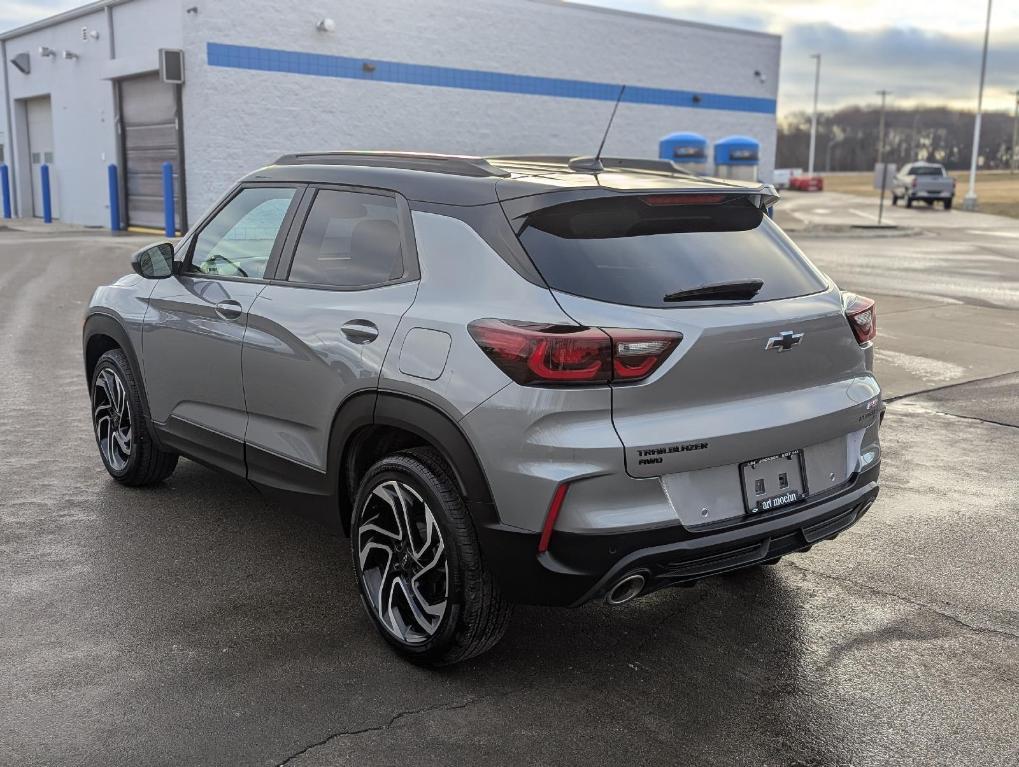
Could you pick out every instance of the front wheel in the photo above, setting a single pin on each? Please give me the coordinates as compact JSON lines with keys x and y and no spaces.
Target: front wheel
{"x":122,"y":432}
{"x":909,"y":201}
{"x":417,"y":562}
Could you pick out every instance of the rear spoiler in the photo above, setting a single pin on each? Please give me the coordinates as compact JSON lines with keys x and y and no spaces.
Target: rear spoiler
{"x":762,"y":196}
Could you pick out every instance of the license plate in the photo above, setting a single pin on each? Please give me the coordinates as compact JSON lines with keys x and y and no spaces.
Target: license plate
{"x":773,"y":482}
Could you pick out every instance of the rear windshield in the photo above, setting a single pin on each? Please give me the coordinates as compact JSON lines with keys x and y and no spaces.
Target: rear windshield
{"x":638,"y":250}
{"x":927,"y":170}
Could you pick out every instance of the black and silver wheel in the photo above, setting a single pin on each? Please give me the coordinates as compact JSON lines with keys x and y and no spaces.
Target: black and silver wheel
{"x":112,"y":418}
{"x":418,"y":565}
{"x":122,"y":432}
{"x":403,"y":563}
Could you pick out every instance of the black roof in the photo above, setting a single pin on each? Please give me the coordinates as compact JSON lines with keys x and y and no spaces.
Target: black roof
{"x":466,"y":180}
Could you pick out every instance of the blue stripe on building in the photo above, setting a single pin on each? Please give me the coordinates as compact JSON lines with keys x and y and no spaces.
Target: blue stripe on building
{"x":322,"y":65}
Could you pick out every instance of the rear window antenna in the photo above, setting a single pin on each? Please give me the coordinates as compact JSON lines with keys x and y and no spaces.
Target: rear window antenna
{"x":593,"y":164}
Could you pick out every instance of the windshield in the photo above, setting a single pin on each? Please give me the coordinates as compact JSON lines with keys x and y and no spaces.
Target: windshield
{"x":927,"y":170}
{"x":640,"y":251}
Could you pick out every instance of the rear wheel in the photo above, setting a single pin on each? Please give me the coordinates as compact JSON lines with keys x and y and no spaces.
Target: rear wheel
{"x":948,"y":204}
{"x":122,"y":432}
{"x":418,"y":565}
{"x":895,"y":199}
{"x":909,"y":201}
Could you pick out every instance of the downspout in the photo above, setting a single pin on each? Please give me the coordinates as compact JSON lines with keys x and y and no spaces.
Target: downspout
{"x":118,"y":129}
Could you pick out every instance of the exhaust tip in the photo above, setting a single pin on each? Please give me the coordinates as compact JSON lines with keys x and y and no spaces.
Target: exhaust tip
{"x":626,"y":589}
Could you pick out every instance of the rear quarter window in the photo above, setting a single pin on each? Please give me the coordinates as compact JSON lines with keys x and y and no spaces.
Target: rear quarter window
{"x":636,"y":250}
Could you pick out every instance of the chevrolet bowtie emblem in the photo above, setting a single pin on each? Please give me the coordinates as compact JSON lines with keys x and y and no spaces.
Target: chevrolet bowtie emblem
{"x":784,"y":341}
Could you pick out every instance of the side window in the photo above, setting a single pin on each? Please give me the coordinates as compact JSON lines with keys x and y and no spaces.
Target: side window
{"x":238,"y":241}
{"x":349,"y":240}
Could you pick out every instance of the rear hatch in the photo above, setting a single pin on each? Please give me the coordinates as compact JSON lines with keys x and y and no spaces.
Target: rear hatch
{"x":767,"y":362}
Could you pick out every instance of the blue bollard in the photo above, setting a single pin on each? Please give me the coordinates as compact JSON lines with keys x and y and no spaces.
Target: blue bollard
{"x":47,"y":208}
{"x":114,"y":182}
{"x":169,"y":223}
{"x":5,"y":189}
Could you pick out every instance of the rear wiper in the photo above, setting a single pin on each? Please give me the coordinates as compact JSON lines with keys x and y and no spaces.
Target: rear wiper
{"x":738,"y":290}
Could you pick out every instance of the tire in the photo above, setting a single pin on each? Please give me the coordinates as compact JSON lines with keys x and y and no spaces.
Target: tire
{"x":895,"y":199}
{"x":948,"y":204}
{"x":909,"y":202}
{"x":456,"y":612}
{"x":129,"y":452}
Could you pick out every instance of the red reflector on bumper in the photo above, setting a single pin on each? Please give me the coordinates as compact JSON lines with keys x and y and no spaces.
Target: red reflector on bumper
{"x":550,"y":518}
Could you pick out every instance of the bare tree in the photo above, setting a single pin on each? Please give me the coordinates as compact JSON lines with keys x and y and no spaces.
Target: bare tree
{"x":848,"y":137}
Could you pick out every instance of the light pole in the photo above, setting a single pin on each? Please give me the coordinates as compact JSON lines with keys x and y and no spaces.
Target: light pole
{"x":813,"y":118}
{"x":881,"y":156}
{"x":1015,"y":133}
{"x":969,"y":202}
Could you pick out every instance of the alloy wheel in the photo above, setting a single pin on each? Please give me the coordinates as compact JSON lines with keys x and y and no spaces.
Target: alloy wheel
{"x":112,"y":418}
{"x":403,"y":564}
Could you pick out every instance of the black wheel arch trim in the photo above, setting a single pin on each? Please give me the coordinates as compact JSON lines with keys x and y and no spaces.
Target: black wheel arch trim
{"x":427,"y":421}
{"x":102,"y":324}
{"x":420,"y":418}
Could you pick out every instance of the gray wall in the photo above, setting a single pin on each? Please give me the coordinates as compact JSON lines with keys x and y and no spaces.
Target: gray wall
{"x":237,"y":119}
{"x":81,"y":93}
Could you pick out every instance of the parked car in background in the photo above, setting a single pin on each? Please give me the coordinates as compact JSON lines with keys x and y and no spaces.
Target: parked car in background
{"x":781,"y":177}
{"x":515,"y":379}
{"x":804,"y":183}
{"x":923,"y":181}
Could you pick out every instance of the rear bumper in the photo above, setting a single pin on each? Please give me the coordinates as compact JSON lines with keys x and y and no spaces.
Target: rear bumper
{"x":581,"y":567}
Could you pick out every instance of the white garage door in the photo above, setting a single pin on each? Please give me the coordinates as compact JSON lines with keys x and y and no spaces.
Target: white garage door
{"x":39,"y":114}
{"x":150,"y":131}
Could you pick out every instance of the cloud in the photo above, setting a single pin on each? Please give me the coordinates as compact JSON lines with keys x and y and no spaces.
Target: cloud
{"x":919,"y":66}
{"x":17,"y":13}
{"x":927,"y":51}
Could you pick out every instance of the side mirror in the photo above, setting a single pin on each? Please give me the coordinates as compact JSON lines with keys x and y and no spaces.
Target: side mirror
{"x":154,"y":262}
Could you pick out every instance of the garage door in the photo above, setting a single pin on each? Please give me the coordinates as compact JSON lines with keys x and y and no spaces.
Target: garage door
{"x":39,"y":115}
{"x":150,"y":135}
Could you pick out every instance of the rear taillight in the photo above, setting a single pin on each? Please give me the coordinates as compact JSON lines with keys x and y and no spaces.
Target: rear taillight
{"x":540,"y":354}
{"x":862,"y":315}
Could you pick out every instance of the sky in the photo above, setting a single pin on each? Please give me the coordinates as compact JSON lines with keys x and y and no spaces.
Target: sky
{"x":924,"y":51}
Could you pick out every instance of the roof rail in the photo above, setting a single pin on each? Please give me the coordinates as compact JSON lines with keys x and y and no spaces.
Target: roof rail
{"x":578,"y":163}
{"x":478,"y":167}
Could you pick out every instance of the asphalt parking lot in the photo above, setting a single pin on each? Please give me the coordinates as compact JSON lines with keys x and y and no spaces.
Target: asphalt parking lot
{"x":197,"y":623}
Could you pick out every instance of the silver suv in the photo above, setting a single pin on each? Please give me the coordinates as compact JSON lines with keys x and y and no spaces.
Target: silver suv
{"x":513,"y":379}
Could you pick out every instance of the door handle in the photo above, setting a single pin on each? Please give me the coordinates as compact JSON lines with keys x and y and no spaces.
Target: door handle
{"x":360,"y":331}
{"x":229,"y":309}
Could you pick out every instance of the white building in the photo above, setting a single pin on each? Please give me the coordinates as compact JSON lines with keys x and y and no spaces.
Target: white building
{"x":266,"y":77}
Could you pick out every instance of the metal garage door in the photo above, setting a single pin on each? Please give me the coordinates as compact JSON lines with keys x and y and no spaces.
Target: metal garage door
{"x":39,"y":115}
{"x":150,"y":136}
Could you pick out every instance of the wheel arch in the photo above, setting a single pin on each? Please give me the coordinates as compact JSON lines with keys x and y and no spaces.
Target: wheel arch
{"x":100,"y":334}
{"x":398,"y":421}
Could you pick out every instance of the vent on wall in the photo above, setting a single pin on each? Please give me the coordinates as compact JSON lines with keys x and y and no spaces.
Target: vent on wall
{"x":171,"y":66}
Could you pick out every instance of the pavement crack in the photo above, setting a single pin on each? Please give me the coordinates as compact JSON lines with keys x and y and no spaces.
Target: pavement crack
{"x":978,"y":418}
{"x":379,"y":727}
{"x":920,"y":392}
{"x":922,"y":605}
